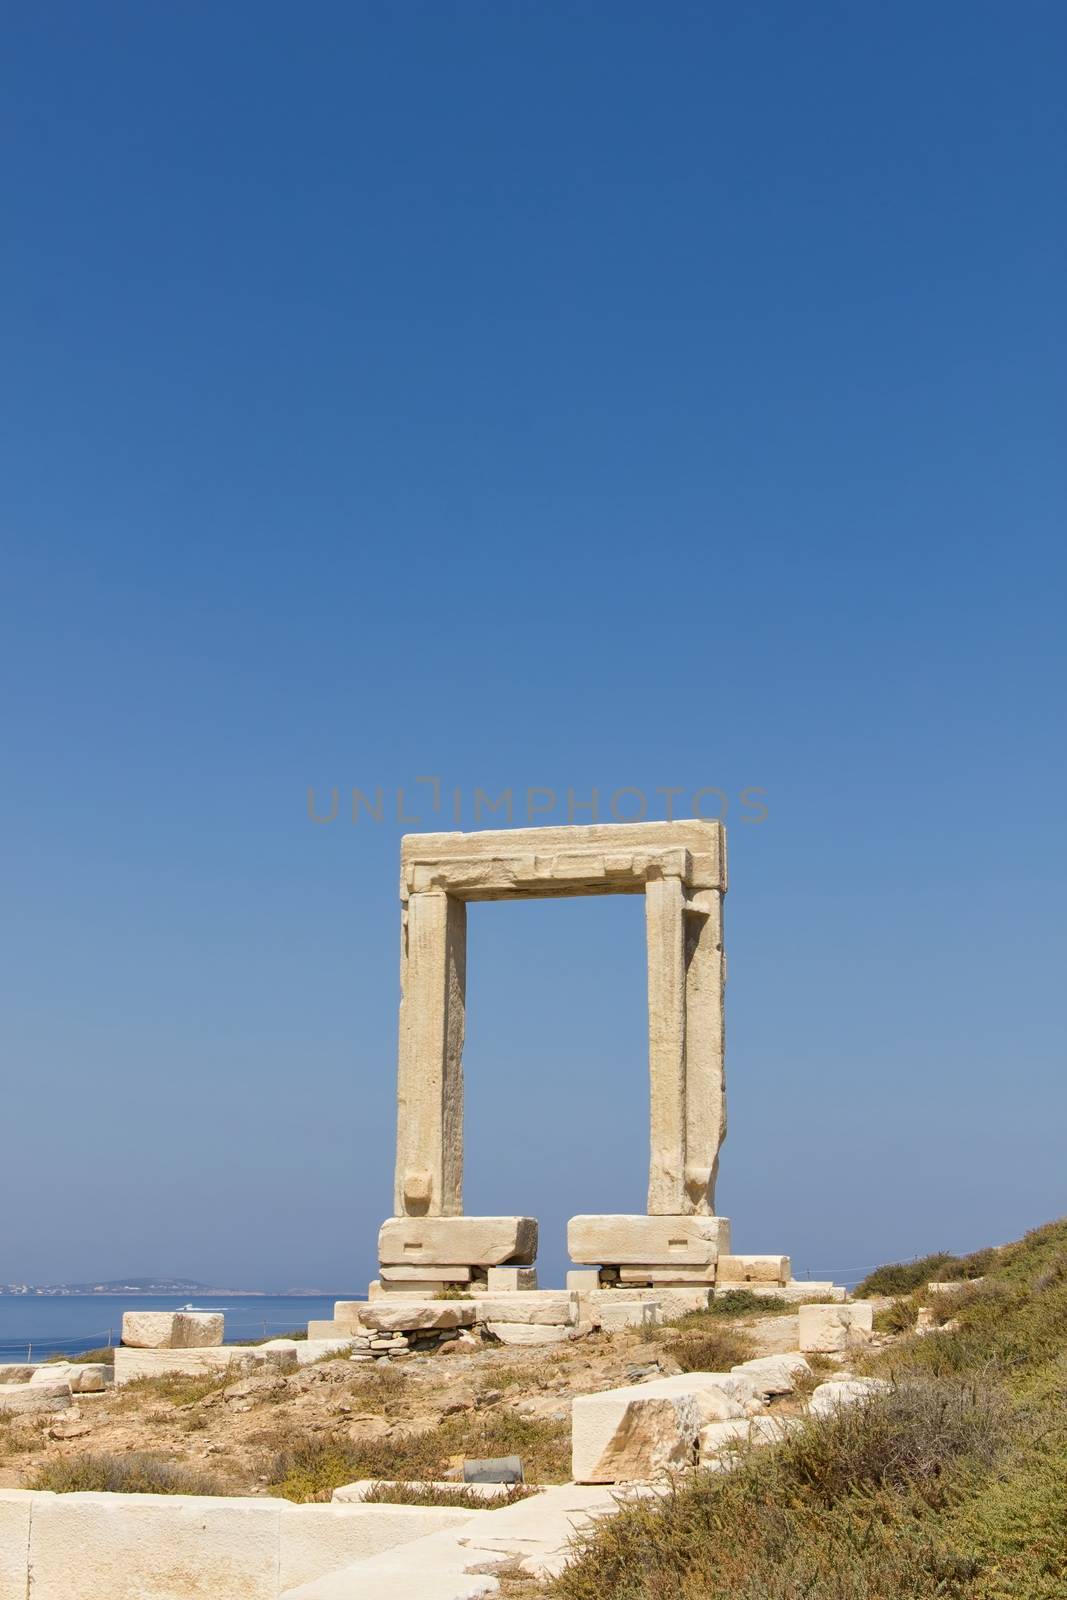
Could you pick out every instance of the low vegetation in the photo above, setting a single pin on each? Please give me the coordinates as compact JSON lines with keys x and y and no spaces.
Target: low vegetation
{"x":460,"y":1495}
{"x":901,"y":1277}
{"x":712,"y":1350}
{"x":127,"y":1474}
{"x":311,"y":1466}
{"x":181,"y":1388}
{"x":105,"y":1356}
{"x":735,"y":1303}
{"x":952,"y":1483}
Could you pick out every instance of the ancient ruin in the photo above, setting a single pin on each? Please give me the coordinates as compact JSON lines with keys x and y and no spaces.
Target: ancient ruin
{"x":680,"y":868}
{"x":464,"y":1285}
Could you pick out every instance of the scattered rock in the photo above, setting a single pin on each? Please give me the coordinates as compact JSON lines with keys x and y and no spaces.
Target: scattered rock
{"x":828,"y":1397}
{"x":69,"y":1427}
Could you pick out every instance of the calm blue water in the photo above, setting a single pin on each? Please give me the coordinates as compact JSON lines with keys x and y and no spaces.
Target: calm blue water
{"x":71,"y":1323}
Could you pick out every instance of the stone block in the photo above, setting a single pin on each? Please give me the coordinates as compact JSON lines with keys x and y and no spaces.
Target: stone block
{"x":318,"y":1539}
{"x":610,"y":1447}
{"x":510,"y":1280}
{"x":468,"y":1241}
{"x":775,"y":1374}
{"x":719,"y":1439}
{"x":742,"y":1270}
{"x":531,"y":1333}
{"x":307,"y":1351}
{"x":133,"y":1363}
{"x":346,"y":1313}
{"x":154,"y":1547}
{"x":795,"y":1291}
{"x":634,"y":1434}
{"x":15,"y":1509}
{"x":672,"y":1301}
{"x":84,"y":1377}
{"x":197,"y":1330}
{"x":172,"y":1330}
{"x":831,"y":1328}
{"x":638,"y":1240}
{"x":829,"y":1397}
{"x":616,"y":1312}
{"x":325,"y":1328}
{"x":22,"y":1398}
{"x":408,"y":1274}
{"x":148,"y":1330}
{"x":17,"y":1371}
{"x":583,"y":1280}
{"x":409,"y":1289}
{"x":677,"y":1276}
{"x":537,"y":1305}
{"x":409,"y":1316}
{"x":716,"y":1437}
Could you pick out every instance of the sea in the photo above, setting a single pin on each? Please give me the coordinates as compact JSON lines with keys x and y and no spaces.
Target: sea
{"x":36,"y":1326}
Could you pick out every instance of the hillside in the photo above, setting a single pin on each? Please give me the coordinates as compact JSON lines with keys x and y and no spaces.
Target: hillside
{"x":952,"y":1484}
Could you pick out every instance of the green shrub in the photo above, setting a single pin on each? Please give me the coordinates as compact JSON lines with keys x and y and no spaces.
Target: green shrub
{"x":901,"y":1277}
{"x":898,"y":1317}
{"x":735,"y":1303}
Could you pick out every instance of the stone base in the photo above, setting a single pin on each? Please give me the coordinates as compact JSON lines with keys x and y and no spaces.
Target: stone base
{"x":457,"y":1241}
{"x":408,"y":1273}
{"x":654,"y":1277}
{"x":672,"y":1302}
{"x":531,"y":1333}
{"x":508,"y":1280}
{"x":648,"y":1242}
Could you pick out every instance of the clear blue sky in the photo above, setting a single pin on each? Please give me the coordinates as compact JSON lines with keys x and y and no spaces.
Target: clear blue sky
{"x":556,"y":396}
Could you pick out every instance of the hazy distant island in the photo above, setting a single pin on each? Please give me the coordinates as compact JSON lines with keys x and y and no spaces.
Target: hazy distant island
{"x":149,"y":1284}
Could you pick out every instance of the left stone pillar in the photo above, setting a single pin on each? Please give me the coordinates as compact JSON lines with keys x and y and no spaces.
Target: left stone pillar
{"x":433,"y":988}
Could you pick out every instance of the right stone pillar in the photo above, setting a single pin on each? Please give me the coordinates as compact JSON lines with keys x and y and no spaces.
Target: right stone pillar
{"x":687,"y":1098}
{"x":666,"y":939}
{"x":705,"y":1049}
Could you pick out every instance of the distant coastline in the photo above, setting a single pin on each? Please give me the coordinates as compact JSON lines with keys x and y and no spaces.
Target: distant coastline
{"x":167,"y":1287}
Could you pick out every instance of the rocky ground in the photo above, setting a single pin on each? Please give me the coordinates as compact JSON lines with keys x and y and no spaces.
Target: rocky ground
{"x":459,"y":1404}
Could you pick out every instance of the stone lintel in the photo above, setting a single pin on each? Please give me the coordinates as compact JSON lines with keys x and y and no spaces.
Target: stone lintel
{"x":528,"y":863}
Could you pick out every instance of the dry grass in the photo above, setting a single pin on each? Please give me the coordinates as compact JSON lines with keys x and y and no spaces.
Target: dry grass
{"x":127,"y":1474}
{"x":460,"y":1495}
{"x":376,"y":1387}
{"x":20,"y":1435}
{"x":105,"y":1355}
{"x":180,"y":1388}
{"x":710,"y":1350}
{"x":310,"y":1466}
